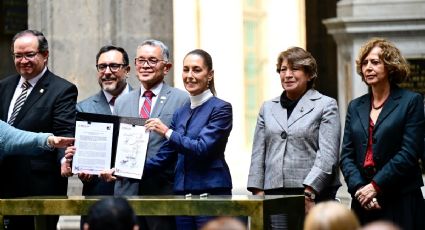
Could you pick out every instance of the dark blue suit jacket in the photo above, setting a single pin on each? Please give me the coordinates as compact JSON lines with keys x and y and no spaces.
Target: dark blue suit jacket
{"x":198,"y":141}
{"x":398,"y":142}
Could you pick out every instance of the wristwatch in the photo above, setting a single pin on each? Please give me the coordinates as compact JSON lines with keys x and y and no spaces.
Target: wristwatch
{"x":310,"y":195}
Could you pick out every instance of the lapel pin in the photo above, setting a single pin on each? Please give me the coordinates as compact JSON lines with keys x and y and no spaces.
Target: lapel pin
{"x":41,"y":90}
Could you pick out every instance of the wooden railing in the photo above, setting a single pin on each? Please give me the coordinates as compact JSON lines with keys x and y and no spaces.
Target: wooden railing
{"x":257,"y":208}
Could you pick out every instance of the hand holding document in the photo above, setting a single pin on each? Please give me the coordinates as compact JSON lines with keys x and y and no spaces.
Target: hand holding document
{"x":104,"y":141}
{"x":131,"y":151}
{"x":94,"y":147}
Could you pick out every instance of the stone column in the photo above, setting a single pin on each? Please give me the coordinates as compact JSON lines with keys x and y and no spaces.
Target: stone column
{"x":400,"y":21}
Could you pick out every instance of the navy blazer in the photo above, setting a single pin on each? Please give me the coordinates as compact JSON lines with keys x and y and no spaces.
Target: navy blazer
{"x":398,"y":142}
{"x":198,"y":142}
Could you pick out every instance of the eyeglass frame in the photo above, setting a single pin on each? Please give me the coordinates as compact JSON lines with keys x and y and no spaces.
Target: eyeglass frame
{"x":28,"y":56}
{"x":112,"y":69}
{"x":148,"y":61}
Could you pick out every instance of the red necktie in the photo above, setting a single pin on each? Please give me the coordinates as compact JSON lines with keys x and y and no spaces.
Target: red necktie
{"x":146,"y":108}
{"x":112,"y":101}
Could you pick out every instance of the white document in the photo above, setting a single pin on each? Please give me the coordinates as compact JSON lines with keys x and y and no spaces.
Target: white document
{"x":131,"y":151}
{"x":93,"y":141}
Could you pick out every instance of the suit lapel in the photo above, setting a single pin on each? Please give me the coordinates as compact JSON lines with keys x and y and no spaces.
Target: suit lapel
{"x":304,"y":106}
{"x":102,"y":105}
{"x":134,"y":103}
{"x":391,"y":104}
{"x":161,"y":100}
{"x":39,"y":89}
{"x":280,"y":114}
{"x":363,"y":111}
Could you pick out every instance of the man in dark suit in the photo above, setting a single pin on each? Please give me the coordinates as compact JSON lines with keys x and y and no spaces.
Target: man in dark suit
{"x":39,"y":101}
{"x":152,"y":64}
{"x":112,"y":65}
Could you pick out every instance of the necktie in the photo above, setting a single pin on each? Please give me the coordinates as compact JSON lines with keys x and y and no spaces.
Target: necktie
{"x":19,"y":102}
{"x":146,"y":108}
{"x":112,"y":101}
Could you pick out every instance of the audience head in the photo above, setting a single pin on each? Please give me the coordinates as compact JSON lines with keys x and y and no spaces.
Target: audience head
{"x":198,"y":72}
{"x":381,"y":225}
{"x":224,"y":223}
{"x":394,"y":63}
{"x":331,"y":215}
{"x":112,"y":69}
{"x":30,"y":52}
{"x":111,"y":213}
{"x":152,"y":62}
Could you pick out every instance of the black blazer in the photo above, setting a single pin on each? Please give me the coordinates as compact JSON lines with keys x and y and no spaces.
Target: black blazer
{"x":50,"y":107}
{"x":398,"y":142}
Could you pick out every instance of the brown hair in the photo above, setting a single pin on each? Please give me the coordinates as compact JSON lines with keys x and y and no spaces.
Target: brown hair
{"x":397,"y":67}
{"x":331,"y":215}
{"x":298,"y":57}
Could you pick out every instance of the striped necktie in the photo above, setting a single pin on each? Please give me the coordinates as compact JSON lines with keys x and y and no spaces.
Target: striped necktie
{"x":146,"y":108}
{"x":19,"y":102}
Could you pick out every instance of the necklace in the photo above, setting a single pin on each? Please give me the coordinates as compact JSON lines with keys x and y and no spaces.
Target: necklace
{"x":379,"y":106}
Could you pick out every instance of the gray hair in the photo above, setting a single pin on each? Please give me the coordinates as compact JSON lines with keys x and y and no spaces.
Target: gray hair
{"x":156,"y":43}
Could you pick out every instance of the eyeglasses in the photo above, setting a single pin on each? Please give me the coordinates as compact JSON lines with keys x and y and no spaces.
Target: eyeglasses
{"x":27,"y":56}
{"x":114,"y":67}
{"x":151,"y":61}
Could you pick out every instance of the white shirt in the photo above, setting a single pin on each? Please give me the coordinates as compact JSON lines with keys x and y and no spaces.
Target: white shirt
{"x":198,"y":100}
{"x":155,"y":90}
{"x":18,"y":90}
{"x":110,"y":96}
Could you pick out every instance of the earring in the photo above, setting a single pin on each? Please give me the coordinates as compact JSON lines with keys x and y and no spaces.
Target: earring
{"x":208,"y":84}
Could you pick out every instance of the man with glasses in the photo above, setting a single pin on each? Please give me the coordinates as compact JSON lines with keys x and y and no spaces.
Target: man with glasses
{"x":152,"y":64}
{"x":112,"y":66}
{"x":35,"y":100}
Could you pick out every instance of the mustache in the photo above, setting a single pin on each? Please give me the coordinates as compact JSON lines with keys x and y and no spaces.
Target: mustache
{"x":109,"y":78}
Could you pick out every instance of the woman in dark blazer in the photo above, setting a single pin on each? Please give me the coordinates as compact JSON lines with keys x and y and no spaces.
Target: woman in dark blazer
{"x":197,"y":138}
{"x":383,"y":140}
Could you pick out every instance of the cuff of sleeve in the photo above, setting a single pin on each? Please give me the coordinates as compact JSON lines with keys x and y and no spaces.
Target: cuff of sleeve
{"x":376,"y":187}
{"x":49,"y":146}
{"x":168,"y":134}
{"x":63,"y":160}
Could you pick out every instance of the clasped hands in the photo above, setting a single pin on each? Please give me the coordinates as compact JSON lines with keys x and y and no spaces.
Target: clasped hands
{"x":366,"y":196}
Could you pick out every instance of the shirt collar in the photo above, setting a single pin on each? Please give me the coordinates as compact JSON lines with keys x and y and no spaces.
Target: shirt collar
{"x":110,"y":96}
{"x":155,"y":90}
{"x":33,"y":81}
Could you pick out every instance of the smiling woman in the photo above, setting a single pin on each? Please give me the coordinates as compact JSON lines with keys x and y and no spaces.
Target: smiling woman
{"x":296,"y":140}
{"x":197,"y":138}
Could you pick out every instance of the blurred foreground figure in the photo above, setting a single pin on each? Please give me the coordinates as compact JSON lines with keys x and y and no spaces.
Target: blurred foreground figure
{"x":112,"y":214}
